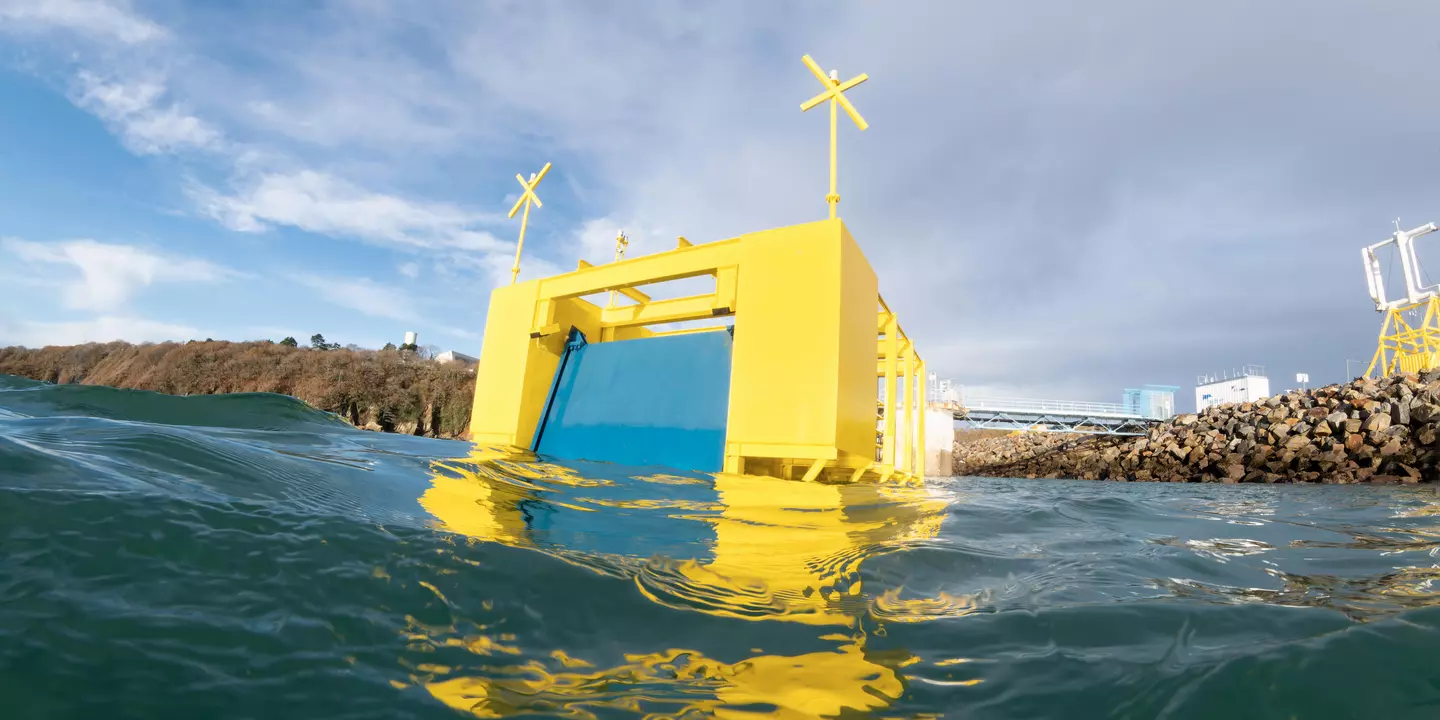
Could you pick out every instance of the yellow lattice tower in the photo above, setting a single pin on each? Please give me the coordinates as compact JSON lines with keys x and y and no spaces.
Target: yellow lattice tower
{"x":1406,"y":345}
{"x":527,"y":197}
{"x":835,"y":94}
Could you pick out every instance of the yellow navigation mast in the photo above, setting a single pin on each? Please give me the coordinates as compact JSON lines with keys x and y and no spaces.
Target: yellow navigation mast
{"x":527,"y":197}
{"x":835,"y":93}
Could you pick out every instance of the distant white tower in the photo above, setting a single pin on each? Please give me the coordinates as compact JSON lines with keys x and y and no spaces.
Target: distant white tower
{"x":410,"y":338}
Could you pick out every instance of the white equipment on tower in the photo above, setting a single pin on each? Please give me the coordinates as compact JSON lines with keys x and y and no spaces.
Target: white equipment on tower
{"x":1415,"y":291}
{"x":1410,"y":335}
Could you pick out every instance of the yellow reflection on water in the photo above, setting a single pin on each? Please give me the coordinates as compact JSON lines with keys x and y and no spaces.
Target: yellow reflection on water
{"x":781,"y":551}
{"x":788,"y":550}
{"x":803,"y":686}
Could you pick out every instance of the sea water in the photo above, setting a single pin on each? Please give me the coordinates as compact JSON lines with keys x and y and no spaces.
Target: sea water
{"x":245,"y":556}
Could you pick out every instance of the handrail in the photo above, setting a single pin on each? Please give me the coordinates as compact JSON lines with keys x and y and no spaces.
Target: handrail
{"x":1068,"y":407}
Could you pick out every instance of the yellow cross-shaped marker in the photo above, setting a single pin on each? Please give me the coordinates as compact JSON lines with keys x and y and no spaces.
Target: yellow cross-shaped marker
{"x":527,"y":198}
{"x":835,"y":93}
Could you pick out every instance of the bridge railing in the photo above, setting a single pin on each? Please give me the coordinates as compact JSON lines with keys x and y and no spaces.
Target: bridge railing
{"x":1059,"y":407}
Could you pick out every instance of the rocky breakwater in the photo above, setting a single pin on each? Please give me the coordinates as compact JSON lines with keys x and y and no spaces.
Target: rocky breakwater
{"x":1376,"y":431}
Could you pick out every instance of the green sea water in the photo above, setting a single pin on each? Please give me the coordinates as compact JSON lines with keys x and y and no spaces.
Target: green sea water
{"x":245,"y":556}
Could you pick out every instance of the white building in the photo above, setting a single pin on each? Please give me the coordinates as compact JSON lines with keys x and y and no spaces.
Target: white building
{"x":450,"y":356}
{"x":1247,"y":384}
{"x":942,"y":392}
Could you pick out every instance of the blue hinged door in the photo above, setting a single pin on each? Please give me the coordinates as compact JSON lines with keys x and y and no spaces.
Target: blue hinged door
{"x":650,"y":401}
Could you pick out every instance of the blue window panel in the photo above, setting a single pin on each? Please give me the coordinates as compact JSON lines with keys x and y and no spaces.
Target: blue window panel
{"x":659,"y":401}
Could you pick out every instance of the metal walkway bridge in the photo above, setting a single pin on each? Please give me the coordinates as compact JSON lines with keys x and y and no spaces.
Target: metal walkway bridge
{"x":1052,"y":415}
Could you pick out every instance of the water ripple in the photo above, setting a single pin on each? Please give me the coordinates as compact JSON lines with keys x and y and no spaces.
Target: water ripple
{"x":247,"y":557}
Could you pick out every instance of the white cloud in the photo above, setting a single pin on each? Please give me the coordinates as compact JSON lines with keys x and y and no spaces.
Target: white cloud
{"x":135,"y":111}
{"x":322,"y":203}
{"x":595,"y":240}
{"x":128,"y":98}
{"x":111,"y":274}
{"x":363,"y":295}
{"x":103,"y":328}
{"x":111,"y":21}
{"x":1032,"y":194}
{"x":410,"y":270}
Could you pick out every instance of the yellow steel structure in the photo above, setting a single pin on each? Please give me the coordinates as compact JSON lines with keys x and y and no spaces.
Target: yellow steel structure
{"x":527,"y":198}
{"x":802,"y":399}
{"x":835,"y":94}
{"x":1406,"y":346}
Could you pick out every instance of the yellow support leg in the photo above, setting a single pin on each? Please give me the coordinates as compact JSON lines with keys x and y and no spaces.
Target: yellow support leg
{"x":920,"y":420}
{"x":892,"y":351}
{"x":907,"y":459}
{"x":814,"y":471}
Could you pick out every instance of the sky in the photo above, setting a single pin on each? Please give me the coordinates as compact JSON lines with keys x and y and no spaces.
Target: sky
{"x":1061,"y":199}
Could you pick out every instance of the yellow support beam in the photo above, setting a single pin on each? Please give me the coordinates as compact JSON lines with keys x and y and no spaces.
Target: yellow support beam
{"x":860,"y":472}
{"x":726,"y":285}
{"x":678,"y":264}
{"x":690,"y":331}
{"x":634,"y":294}
{"x":697,"y":307}
{"x":814,"y":471}
{"x":905,"y":347}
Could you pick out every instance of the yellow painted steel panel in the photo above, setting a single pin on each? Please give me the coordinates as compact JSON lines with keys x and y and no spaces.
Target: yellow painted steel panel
{"x":515,"y":370}
{"x":804,"y":343}
{"x":855,"y":399}
{"x":495,"y":417}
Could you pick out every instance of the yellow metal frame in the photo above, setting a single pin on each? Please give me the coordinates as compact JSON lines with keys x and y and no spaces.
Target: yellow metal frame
{"x":901,"y":446}
{"x":1404,"y":347}
{"x":802,"y":398}
{"x":802,"y":404}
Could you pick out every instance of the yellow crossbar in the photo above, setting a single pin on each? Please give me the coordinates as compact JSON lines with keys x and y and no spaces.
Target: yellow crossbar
{"x":697,"y":307}
{"x":649,"y":269}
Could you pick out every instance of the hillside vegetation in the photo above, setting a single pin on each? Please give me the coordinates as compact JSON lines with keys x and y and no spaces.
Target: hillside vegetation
{"x":387,"y":390}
